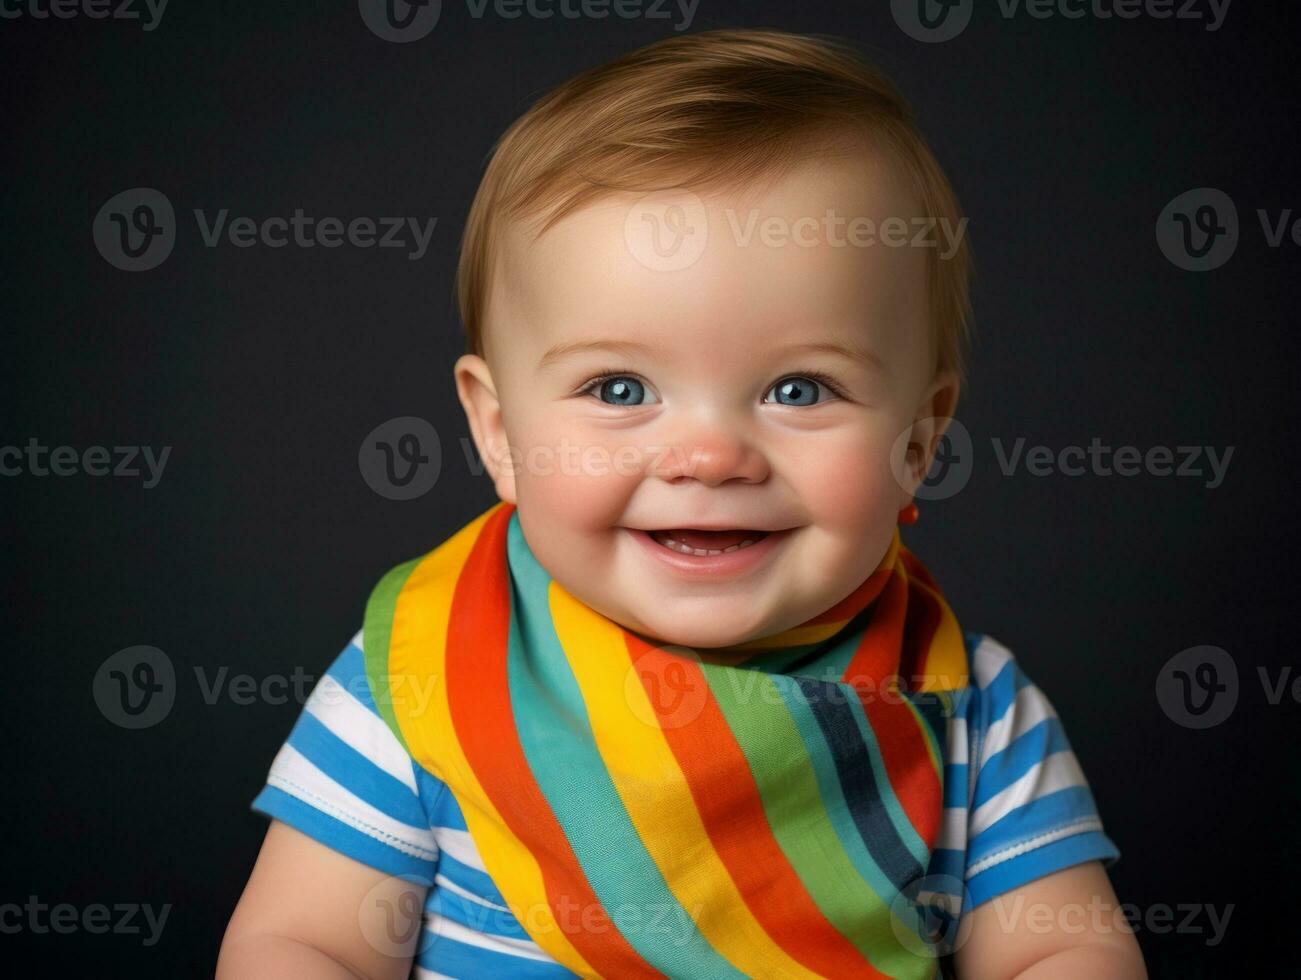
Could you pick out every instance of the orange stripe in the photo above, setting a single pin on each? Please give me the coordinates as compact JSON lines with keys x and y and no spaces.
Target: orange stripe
{"x":478,"y":697}
{"x":718,"y":775}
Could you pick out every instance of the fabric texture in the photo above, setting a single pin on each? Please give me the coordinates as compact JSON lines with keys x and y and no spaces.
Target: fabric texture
{"x":586,"y":802}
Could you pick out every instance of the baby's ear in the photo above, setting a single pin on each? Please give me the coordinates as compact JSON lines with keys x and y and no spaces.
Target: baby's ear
{"x":478,"y":395}
{"x":931,"y":419}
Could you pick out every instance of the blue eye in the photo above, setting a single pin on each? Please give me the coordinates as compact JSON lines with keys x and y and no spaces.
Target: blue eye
{"x":799,"y":389}
{"x":619,"y":389}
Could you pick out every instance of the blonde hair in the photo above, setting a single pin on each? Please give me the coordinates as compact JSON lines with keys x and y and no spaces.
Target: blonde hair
{"x":714,"y":108}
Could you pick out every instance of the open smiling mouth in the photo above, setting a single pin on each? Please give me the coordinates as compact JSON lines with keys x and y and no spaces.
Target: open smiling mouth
{"x":706,"y":543}
{"x":710,"y":552}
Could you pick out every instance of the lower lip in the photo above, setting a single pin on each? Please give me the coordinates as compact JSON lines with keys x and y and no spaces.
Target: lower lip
{"x":727,"y":563}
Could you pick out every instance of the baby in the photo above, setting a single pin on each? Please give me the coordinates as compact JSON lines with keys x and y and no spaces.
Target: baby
{"x":681,"y":703}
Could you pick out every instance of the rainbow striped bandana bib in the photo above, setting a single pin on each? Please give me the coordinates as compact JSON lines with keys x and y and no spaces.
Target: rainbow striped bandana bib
{"x":645,"y":813}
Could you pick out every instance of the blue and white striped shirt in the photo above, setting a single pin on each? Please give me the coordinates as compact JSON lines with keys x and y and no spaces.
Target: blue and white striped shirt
{"x":1017,"y":807}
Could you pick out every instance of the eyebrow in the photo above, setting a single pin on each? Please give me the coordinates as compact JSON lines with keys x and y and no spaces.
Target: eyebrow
{"x":623,"y":347}
{"x":853,"y":352}
{"x":630,"y":347}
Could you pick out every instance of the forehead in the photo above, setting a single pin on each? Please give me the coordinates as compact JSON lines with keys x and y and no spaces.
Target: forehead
{"x":723,"y":272}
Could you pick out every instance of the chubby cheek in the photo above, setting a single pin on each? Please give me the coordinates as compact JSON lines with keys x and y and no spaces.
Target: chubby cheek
{"x":571,"y":484}
{"x":848,"y":486}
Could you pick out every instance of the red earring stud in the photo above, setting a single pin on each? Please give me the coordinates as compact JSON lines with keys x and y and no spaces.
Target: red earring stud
{"x":909,"y":514}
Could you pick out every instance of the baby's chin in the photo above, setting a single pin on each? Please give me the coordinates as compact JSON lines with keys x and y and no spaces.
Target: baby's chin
{"x":701,"y":631}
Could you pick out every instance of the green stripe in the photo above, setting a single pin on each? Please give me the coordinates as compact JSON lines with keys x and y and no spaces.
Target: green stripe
{"x":824,"y":767}
{"x":377,"y":628}
{"x":796,"y":811}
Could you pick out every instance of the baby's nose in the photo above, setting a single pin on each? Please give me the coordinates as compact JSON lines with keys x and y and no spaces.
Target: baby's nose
{"x":712,"y":456}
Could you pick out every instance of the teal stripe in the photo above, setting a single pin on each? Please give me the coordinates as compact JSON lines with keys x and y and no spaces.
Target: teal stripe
{"x":903,"y":826}
{"x":824,"y":768}
{"x":377,"y":630}
{"x":780,"y":661}
{"x":573,"y":777}
{"x":840,"y":651}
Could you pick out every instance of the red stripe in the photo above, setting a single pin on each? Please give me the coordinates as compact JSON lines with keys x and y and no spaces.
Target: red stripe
{"x":877,"y":656}
{"x":904,"y":747}
{"x":723,"y":787}
{"x":906,"y":754}
{"x":479,"y":702}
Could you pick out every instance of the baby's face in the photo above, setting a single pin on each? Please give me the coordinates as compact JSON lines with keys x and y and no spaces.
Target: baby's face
{"x":760,"y":387}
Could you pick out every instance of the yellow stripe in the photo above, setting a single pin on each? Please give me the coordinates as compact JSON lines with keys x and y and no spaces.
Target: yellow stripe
{"x":417,"y":655}
{"x":637,"y":755}
{"x":946,"y":660}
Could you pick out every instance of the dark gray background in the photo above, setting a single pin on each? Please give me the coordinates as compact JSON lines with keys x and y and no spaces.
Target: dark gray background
{"x":264,"y":369}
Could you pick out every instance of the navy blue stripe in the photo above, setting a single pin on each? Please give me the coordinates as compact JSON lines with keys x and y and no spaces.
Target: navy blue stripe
{"x":858,"y":782}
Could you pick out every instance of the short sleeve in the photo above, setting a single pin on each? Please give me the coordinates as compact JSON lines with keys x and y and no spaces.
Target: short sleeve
{"x":343,"y":778}
{"x":1030,"y":810}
